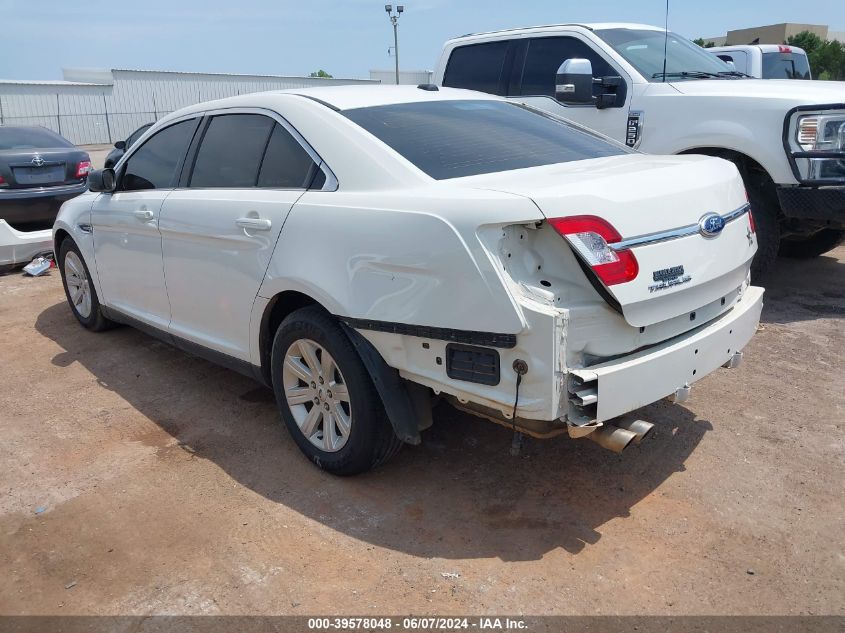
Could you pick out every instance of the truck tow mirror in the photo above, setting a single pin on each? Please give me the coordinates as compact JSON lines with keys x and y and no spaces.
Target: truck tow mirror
{"x":574,"y":81}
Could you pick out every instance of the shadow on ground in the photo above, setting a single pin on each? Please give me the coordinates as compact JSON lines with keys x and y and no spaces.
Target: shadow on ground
{"x":459,"y":495}
{"x":804,"y":289}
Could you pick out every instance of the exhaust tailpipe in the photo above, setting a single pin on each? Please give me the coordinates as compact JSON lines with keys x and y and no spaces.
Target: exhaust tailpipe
{"x":612,"y":437}
{"x":640,"y":428}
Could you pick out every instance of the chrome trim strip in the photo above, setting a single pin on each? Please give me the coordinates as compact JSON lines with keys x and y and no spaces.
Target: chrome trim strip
{"x":673,"y":234}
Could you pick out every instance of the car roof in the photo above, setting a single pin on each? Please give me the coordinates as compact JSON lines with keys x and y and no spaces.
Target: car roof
{"x":344,"y":97}
{"x":592,"y":26}
{"x":765,"y":48}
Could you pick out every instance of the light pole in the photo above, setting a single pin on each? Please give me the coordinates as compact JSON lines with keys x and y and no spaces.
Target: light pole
{"x":394,"y":18}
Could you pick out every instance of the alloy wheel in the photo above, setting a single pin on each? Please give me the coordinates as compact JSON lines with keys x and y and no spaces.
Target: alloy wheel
{"x":317,"y":395}
{"x":78,"y":284}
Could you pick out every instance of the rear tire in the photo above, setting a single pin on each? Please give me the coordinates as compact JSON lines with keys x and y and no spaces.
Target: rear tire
{"x":813,"y":246}
{"x":79,"y":289}
{"x":326,"y":396}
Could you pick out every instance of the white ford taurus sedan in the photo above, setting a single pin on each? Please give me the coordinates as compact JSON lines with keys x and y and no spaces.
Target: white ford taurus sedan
{"x":364,"y":249}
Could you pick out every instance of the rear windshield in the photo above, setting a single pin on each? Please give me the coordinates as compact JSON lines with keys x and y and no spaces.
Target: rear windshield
{"x":785,"y":66}
{"x":451,"y":139}
{"x":30,"y":138}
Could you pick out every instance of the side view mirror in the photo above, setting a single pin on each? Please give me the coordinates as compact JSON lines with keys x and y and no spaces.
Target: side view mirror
{"x":120,"y":145}
{"x":101,"y":180}
{"x":730,"y":63}
{"x":574,"y":81}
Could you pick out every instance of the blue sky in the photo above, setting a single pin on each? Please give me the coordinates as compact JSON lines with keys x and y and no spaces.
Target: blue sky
{"x":344,"y":37}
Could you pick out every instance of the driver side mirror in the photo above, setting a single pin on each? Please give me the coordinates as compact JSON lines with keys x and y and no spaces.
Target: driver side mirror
{"x":102,"y":180}
{"x":574,"y":81}
{"x":120,"y":145}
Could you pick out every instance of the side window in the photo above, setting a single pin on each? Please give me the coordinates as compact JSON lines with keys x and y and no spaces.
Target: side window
{"x":154,"y":165}
{"x":477,"y":67}
{"x":286,"y":163}
{"x":231,"y":150}
{"x":544,"y":57}
{"x":137,"y":134}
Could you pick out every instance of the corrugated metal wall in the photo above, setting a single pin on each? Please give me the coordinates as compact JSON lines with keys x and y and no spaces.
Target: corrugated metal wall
{"x":91,"y":114}
{"x":409,"y":77}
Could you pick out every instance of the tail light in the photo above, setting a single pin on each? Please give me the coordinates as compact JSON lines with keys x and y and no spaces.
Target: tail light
{"x":83,"y":168}
{"x":751,"y":223}
{"x":591,"y":238}
{"x":3,"y":183}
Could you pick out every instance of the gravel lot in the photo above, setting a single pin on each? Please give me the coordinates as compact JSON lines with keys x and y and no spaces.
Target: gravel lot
{"x":135,"y":479}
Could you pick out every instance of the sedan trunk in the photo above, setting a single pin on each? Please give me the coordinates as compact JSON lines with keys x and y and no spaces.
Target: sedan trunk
{"x":683,"y":218}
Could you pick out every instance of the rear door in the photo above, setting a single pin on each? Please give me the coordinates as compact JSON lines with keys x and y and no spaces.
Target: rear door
{"x":127,"y":242}
{"x":219,"y":230}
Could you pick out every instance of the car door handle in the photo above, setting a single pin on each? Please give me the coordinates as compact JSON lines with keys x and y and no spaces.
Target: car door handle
{"x":254,"y":224}
{"x":144,"y":214}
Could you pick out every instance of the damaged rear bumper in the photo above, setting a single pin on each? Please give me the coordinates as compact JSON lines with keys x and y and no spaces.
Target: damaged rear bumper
{"x":626,"y":384}
{"x":20,"y":247}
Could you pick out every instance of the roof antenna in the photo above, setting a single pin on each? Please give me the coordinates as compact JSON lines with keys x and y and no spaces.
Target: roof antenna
{"x":665,"y":40}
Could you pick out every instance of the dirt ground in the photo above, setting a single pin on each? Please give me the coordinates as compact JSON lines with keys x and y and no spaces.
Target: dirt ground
{"x":135,"y":479}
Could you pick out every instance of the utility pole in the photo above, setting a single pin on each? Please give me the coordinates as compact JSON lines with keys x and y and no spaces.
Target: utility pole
{"x":394,"y":18}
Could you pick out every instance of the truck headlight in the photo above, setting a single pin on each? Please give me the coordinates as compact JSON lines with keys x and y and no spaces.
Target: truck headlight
{"x":817,"y":146}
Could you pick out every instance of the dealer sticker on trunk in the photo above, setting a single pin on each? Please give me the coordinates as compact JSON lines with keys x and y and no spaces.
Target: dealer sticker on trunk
{"x":668,"y":278}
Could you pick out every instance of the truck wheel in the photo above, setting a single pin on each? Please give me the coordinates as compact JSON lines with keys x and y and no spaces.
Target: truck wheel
{"x":79,"y":290}
{"x":813,"y":246}
{"x":768,"y":232}
{"x":326,"y":397}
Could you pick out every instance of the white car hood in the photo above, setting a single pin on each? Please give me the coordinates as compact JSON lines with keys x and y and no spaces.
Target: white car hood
{"x":799,"y":92}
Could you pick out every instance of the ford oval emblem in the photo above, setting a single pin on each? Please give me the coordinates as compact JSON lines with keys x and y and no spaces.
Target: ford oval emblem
{"x":711,"y":224}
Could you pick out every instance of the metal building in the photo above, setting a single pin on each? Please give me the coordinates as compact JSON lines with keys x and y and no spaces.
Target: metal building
{"x":411,"y":77}
{"x":103,"y":106}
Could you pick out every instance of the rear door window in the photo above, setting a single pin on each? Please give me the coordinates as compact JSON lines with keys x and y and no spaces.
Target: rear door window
{"x":478,"y":67}
{"x":154,"y":165}
{"x":286,"y":164}
{"x":231,"y":151}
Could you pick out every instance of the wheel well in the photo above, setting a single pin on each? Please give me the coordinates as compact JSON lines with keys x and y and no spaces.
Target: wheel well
{"x":277,"y":309}
{"x":61,"y":236}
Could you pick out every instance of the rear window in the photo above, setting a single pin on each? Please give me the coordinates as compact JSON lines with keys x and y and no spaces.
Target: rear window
{"x":452,"y":139}
{"x":30,"y":138}
{"x":785,"y":66}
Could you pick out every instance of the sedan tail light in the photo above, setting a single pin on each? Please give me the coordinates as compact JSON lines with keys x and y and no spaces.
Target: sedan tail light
{"x":83,"y":168}
{"x":751,"y":224}
{"x":3,"y":183}
{"x":591,"y":237}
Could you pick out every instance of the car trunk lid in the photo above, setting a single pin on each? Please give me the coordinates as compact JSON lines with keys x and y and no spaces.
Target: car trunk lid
{"x":657,"y":205}
{"x":27,"y":168}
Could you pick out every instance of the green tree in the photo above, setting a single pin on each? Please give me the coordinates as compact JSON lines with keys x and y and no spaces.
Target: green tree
{"x":700,"y":41}
{"x":827,"y":59}
{"x":321,"y":73}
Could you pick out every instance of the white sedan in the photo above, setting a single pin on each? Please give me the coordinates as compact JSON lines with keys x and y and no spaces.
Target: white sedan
{"x":362,"y":250}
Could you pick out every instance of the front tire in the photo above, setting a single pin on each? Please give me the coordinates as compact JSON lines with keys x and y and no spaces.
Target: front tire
{"x":79,"y":289}
{"x":326,"y":396}
{"x":766,"y":220}
{"x":814,"y":246}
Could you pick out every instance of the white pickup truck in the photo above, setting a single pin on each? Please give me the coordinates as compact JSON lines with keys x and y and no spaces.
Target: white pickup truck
{"x":766,"y":61}
{"x":787,"y":138}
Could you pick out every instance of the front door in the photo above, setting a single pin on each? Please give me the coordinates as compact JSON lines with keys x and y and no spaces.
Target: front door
{"x":218,"y":234}
{"x":536,"y":84}
{"x":127,"y":241}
